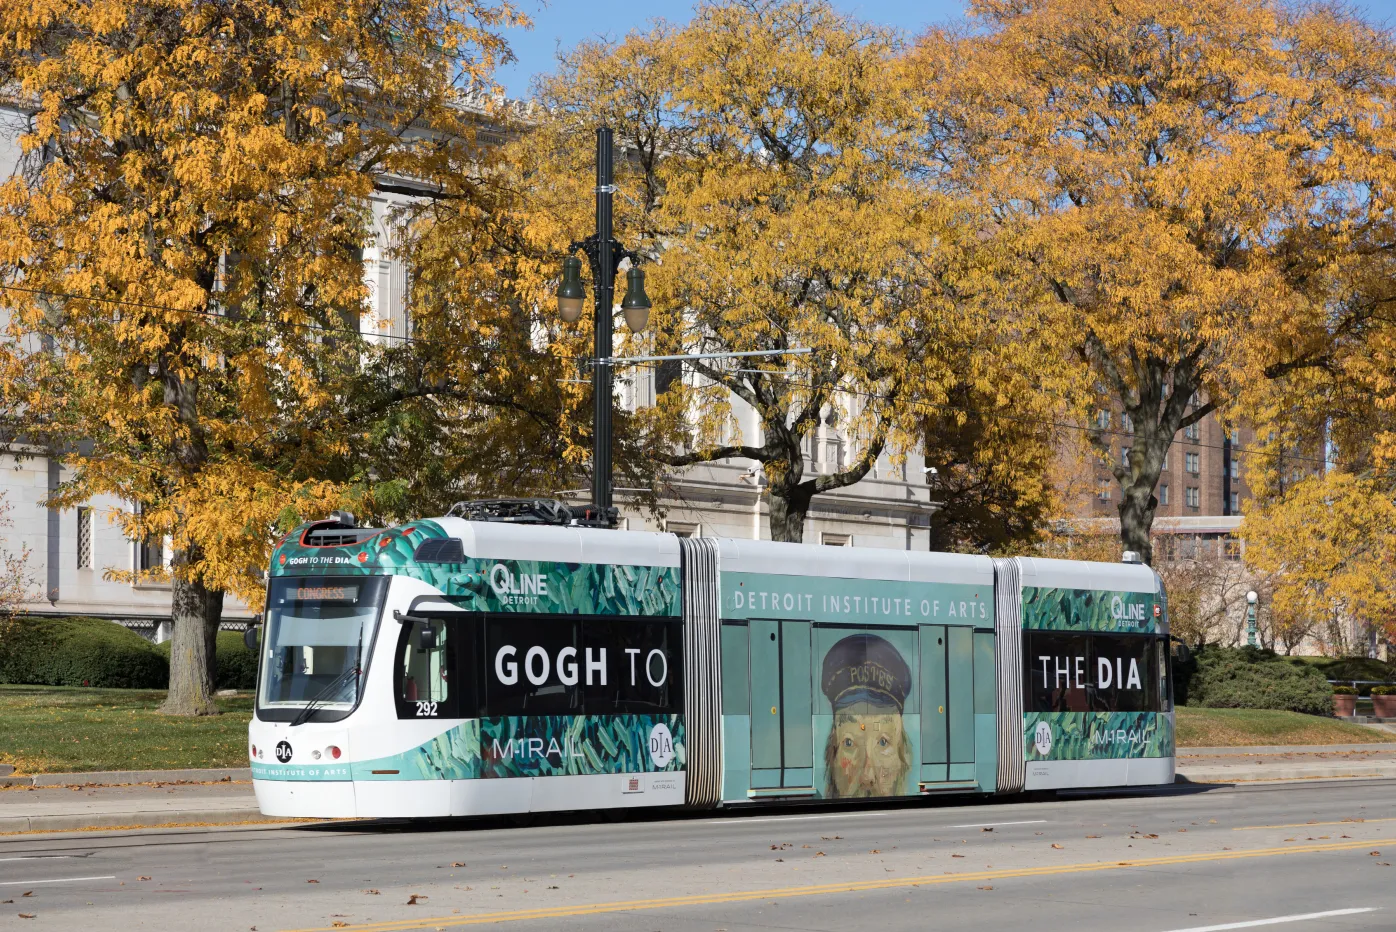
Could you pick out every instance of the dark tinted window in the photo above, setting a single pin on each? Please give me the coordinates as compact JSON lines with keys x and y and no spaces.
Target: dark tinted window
{"x":1068,"y":672}
{"x":498,"y":665}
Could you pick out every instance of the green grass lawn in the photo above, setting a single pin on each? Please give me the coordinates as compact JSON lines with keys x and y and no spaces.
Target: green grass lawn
{"x":1208,"y":728}
{"x":61,"y":729}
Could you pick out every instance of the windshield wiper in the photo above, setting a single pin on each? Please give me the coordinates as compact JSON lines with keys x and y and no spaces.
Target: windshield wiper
{"x":333,"y":684}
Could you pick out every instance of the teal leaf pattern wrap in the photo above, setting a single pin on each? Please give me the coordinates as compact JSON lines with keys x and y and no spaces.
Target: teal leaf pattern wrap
{"x":1097,"y":610}
{"x":487,"y":585}
{"x":535,"y":746}
{"x":1099,"y":735}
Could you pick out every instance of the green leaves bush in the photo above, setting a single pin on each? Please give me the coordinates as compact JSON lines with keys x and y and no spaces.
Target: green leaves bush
{"x":237,"y":666}
{"x":80,"y":652}
{"x":1252,"y":678}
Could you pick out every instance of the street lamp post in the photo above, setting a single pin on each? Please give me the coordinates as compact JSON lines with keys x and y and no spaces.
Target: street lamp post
{"x":1250,"y":618}
{"x":605,"y":256}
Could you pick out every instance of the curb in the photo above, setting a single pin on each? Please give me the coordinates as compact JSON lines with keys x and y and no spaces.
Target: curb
{"x":72,"y":823}
{"x":121,"y":777}
{"x":1352,"y":771}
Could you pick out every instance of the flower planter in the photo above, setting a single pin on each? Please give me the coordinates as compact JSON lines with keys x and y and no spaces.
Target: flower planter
{"x":1345,"y":706}
{"x":1384,"y":706}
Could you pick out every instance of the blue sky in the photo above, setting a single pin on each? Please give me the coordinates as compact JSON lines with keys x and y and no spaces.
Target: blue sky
{"x":561,"y":23}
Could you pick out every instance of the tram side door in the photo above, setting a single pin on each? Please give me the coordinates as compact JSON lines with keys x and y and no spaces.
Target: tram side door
{"x":947,"y":704}
{"x":782,"y":713}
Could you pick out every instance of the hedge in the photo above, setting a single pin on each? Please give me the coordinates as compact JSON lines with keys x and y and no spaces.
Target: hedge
{"x":237,"y":666}
{"x":41,"y":651}
{"x":1252,"y":678}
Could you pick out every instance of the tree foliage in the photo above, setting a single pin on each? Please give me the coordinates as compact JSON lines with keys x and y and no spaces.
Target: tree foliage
{"x":182,"y":254}
{"x":1183,"y":186}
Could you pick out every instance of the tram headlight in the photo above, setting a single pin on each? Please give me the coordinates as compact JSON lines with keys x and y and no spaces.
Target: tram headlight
{"x":315,"y":755}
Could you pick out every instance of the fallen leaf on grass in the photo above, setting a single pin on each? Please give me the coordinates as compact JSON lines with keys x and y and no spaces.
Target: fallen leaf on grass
{"x":873,"y":851}
{"x":374,"y":892}
{"x":312,"y":881}
{"x":986,"y":888}
{"x":957,"y":855}
{"x":31,"y":892}
{"x":338,"y":924}
{"x":780,"y":860}
{"x":414,"y":898}
{"x":1092,"y":836}
{"x":831,"y":838}
{"x":458,"y":864}
{"x":138,"y":878}
{"x":987,"y":828}
{"x":1375,"y":854}
{"x":26,"y":915}
{"x":1055,"y":845}
{"x":819,"y":854}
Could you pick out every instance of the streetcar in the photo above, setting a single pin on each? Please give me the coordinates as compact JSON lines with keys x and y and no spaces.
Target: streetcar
{"x":507,"y":658}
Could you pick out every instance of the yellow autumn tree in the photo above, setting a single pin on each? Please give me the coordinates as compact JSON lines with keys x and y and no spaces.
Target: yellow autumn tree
{"x":1183,"y":185}
{"x":180,"y":254}
{"x":765,"y":176}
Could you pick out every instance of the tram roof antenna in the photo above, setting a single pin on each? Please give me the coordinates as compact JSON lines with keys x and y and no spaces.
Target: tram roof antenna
{"x":545,"y":511}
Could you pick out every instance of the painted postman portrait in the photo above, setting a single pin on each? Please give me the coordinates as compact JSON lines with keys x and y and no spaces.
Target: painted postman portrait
{"x":867,"y":753}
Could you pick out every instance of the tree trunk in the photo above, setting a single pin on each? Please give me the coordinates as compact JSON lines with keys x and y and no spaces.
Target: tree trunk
{"x":1137,"y":504}
{"x":789,"y":506}
{"x":196,"y":611}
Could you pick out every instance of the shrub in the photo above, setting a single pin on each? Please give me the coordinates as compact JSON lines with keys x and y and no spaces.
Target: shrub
{"x":236,"y":665}
{"x":40,"y":651}
{"x":1252,"y":678}
{"x":1352,"y":668}
{"x":1382,"y":690}
{"x":1344,"y":691}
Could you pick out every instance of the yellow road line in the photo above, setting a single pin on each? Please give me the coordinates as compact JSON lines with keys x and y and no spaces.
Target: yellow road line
{"x":856,"y":886}
{"x":1248,"y":828}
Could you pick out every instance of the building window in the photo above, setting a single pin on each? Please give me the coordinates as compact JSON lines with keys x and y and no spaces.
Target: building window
{"x":679,"y":529}
{"x":1127,"y":423}
{"x":1236,"y":435}
{"x":1231,"y":550}
{"x":1124,"y":456}
{"x":1194,"y":497}
{"x":1102,"y":490}
{"x":1193,"y":432}
{"x":1193,"y":462}
{"x":1165,"y":462}
{"x":1235,"y":467}
{"x":1235,"y":503}
{"x":150,"y":555}
{"x":835,"y":540}
{"x":1163,"y":494}
{"x":84,"y":538}
{"x":1102,"y":419}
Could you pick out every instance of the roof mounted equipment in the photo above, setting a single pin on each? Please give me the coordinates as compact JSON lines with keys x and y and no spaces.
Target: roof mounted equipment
{"x":545,"y":511}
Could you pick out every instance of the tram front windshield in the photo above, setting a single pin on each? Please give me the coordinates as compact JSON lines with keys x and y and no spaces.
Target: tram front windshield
{"x":319,"y":630}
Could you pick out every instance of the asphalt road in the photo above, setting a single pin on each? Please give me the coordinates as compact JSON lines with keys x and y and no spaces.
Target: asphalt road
{"x":1184,"y":859}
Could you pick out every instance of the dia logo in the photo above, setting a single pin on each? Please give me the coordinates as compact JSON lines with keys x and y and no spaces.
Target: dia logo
{"x":661,"y":745}
{"x":1042,"y":739}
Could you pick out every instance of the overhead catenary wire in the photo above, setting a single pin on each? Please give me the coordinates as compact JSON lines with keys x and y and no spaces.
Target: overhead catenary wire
{"x":654,"y":361}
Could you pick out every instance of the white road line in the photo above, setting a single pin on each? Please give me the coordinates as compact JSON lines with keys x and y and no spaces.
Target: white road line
{"x":1251,"y":924}
{"x":30,"y":883}
{"x":794,"y":818}
{"x":41,"y":857}
{"x":997,"y":824}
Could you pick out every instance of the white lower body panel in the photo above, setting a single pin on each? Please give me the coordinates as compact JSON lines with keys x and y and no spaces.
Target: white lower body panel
{"x":424,"y":799}
{"x":1063,"y":774}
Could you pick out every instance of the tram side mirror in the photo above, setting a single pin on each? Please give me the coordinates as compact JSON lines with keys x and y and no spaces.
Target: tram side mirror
{"x":1181,"y":652}
{"x":250,"y":637}
{"x":426,"y":637}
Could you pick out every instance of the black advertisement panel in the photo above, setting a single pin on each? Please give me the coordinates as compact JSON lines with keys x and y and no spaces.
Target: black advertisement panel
{"x":1076,"y":672}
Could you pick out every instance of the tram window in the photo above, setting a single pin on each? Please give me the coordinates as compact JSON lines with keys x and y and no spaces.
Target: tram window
{"x":426,"y":670}
{"x":532,"y":665}
{"x":645,"y":666}
{"x":1094,"y":672}
{"x":1058,"y":673}
{"x":1124,"y":674}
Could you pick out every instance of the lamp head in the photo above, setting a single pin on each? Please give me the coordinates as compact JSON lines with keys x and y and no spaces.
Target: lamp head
{"x":636,"y":304}
{"x":571,"y":296}
{"x":1251,"y":597}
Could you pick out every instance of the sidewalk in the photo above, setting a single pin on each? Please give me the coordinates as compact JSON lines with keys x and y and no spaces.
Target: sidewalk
{"x":1295,"y":762}
{"x":68,"y":802}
